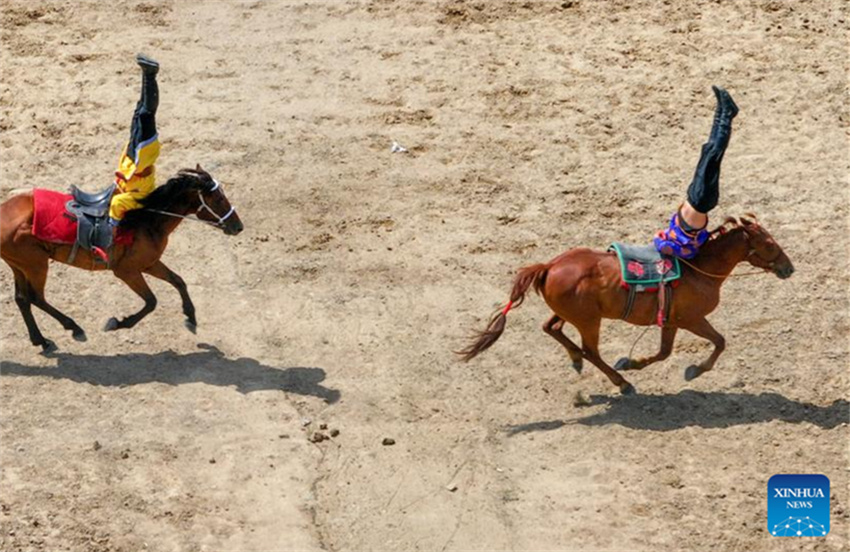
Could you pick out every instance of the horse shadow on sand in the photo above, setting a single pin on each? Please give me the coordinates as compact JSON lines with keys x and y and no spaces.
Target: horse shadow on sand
{"x":686,"y":408}
{"x":209,"y":366}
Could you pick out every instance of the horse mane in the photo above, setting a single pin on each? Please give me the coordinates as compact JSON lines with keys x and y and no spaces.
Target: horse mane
{"x":729,"y":227}
{"x":164,"y":196}
{"x":728,"y":223}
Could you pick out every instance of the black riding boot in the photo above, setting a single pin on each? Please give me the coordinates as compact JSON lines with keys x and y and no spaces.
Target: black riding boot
{"x":143,"y":127}
{"x":704,"y":190}
{"x":725,"y":111}
{"x":150,"y":90}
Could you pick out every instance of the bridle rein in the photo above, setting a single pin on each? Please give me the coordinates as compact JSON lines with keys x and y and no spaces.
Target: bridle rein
{"x":770,"y":267}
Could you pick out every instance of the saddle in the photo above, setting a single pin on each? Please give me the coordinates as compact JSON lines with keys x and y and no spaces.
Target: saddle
{"x":644,"y":270}
{"x":93,"y":230}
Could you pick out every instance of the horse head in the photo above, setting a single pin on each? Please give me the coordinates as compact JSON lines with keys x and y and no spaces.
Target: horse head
{"x":764,"y":251}
{"x":213,"y":205}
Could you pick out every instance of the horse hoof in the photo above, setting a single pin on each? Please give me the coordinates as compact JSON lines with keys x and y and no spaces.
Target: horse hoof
{"x":111,"y":325}
{"x":80,"y":336}
{"x":48,"y":347}
{"x":623,"y":364}
{"x":191,"y":326}
{"x":577,"y":366}
{"x":692,"y":372}
{"x":627,"y":389}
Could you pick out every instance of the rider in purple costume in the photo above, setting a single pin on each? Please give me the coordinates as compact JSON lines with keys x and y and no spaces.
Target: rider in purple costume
{"x":687,"y":229}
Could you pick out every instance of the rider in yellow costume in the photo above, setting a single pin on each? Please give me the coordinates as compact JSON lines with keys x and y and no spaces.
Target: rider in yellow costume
{"x":135,"y":177}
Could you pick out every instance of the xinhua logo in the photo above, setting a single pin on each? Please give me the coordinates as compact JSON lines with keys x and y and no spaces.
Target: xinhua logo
{"x":798,"y":505}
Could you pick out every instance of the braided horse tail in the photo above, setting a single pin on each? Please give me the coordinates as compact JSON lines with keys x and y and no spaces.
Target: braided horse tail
{"x":526,"y":277}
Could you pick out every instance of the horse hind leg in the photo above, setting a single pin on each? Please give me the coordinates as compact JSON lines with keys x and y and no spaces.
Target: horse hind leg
{"x":23,"y":298}
{"x":590,"y":347}
{"x":36,"y":281}
{"x":553,"y":327}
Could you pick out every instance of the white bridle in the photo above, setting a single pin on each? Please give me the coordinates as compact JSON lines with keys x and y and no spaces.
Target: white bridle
{"x":218,"y":224}
{"x":209,"y":209}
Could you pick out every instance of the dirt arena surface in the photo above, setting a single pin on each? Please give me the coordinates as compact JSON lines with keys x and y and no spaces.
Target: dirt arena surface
{"x":532,"y":127}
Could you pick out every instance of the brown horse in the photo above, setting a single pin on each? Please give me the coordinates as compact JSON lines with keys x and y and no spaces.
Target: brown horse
{"x":583,"y":286}
{"x":189,"y":192}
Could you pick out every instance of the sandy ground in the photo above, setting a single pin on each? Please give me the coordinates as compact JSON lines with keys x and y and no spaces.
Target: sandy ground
{"x":532,"y":127}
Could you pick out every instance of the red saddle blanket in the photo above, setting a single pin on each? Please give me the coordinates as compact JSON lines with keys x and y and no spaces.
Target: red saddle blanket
{"x":51,"y":222}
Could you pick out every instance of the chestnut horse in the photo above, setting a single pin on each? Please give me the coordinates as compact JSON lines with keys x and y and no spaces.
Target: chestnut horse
{"x":189,"y":192}
{"x":583,"y":286}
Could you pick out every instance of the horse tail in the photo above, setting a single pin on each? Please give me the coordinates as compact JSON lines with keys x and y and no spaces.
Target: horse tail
{"x":526,"y":277}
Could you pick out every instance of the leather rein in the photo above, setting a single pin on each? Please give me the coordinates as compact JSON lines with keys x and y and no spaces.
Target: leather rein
{"x":730,"y":275}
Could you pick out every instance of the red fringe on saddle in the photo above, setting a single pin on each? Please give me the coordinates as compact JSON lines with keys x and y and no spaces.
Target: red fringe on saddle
{"x":52,"y":223}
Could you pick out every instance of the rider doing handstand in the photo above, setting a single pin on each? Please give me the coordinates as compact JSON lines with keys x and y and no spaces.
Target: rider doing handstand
{"x":135,"y":177}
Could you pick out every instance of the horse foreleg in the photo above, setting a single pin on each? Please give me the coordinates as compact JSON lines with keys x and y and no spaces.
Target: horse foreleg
{"x":590,"y":350}
{"x":668,"y":336}
{"x":137,"y":283}
{"x":159,"y":270}
{"x":23,"y":298}
{"x":703,"y":328}
{"x":553,"y":327}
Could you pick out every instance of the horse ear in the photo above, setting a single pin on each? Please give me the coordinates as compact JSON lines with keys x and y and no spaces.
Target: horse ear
{"x":747,"y":223}
{"x":198,"y":167}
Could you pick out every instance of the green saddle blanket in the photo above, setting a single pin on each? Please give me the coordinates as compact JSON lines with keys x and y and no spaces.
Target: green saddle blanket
{"x":643,"y":264}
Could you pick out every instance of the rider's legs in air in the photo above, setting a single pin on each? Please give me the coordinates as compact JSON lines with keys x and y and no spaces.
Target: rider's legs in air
{"x":135,"y":177}
{"x":687,"y":230}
